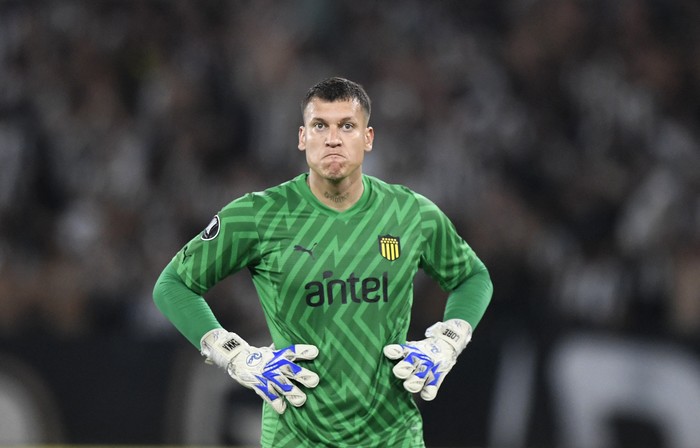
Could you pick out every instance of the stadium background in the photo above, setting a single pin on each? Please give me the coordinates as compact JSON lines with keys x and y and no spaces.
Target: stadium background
{"x":560,"y":135}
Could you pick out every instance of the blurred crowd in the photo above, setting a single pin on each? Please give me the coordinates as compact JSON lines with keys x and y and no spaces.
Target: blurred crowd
{"x":560,"y":135}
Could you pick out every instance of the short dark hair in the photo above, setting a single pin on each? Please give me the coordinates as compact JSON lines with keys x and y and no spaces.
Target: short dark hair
{"x":338,"y":89}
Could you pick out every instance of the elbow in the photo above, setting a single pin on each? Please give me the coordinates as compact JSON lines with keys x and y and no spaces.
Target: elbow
{"x":159,"y":295}
{"x":487,"y":280}
{"x":482,"y":277}
{"x":161,"y":288}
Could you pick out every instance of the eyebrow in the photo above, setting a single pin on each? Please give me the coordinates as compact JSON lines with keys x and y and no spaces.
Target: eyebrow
{"x":342,"y":120}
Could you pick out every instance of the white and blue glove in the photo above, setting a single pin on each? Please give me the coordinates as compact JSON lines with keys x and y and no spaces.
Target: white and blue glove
{"x":425,"y":363}
{"x":265,"y":370}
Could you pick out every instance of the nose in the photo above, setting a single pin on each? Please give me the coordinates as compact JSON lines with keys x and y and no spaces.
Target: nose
{"x":333,"y":138}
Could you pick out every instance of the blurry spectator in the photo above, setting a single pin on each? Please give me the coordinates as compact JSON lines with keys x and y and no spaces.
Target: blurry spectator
{"x":566,"y":125}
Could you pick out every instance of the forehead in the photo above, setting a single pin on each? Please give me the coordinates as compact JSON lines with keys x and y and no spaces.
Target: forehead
{"x":332,"y":111}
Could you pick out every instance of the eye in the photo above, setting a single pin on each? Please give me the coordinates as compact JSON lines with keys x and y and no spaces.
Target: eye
{"x":348,"y":126}
{"x":319,"y":125}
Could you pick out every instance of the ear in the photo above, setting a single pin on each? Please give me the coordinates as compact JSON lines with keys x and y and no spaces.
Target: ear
{"x":369,"y":138}
{"x":302,"y":138}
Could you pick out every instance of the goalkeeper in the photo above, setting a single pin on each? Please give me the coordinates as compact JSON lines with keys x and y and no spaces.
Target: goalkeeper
{"x":332,"y":253}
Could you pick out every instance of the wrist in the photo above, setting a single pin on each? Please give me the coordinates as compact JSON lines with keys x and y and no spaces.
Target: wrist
{"x":220,"y":347}
{"x":455,"y":332}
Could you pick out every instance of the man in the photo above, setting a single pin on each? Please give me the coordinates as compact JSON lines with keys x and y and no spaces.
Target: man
{"x":332,"y":254}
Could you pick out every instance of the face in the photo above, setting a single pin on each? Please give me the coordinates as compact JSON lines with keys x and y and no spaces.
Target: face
{"x":335,"y":137}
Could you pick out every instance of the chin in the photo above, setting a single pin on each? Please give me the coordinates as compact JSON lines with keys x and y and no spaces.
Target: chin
{"x":334,"y":173}
{"x":334,"y":177}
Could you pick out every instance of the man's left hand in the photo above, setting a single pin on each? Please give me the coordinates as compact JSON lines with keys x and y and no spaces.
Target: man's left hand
{"x":425,"y":363}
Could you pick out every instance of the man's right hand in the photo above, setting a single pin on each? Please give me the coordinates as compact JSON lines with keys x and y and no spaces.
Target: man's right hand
{"x":265,"y":370}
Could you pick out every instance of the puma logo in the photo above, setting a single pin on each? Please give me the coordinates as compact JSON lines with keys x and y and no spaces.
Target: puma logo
{"x":308,"y":251}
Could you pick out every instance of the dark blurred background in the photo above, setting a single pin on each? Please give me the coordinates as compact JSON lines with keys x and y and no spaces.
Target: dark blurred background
{"x":561,"y":136}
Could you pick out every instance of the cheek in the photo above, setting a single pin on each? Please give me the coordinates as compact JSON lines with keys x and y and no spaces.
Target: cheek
{"x":312,"y":153}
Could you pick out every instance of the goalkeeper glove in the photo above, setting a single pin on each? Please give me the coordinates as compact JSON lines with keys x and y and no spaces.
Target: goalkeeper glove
{"x":425,"y":363}
{"x":265,"y":370}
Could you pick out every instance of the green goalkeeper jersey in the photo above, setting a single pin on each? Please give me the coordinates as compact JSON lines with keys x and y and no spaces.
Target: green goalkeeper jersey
{"x":342,"y":281}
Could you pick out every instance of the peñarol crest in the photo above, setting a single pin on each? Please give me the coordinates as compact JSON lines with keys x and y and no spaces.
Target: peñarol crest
{"x":389,"y":247}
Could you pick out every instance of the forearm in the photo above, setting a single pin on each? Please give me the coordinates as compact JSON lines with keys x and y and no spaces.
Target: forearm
{"x":471,"y":298}
{"x":186,"y":310}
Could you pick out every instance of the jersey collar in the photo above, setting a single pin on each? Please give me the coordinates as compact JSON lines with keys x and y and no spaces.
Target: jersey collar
{"x":357,"y":207}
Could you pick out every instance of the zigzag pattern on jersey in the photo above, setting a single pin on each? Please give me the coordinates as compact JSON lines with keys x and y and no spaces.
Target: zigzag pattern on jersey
{"x":293,"y":211}
{"x":450,"y":266}
{"x":273,"y":438}
{"x":211,"y":260}
{"x":353,"y":341}
{"x":350,"y":337}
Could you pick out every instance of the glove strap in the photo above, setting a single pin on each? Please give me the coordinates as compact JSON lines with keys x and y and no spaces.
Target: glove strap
{"x":220,"y":347}
{"x":456,"y":332}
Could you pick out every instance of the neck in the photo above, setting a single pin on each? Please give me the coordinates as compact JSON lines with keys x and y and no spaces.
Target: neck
{"x":336,"y":195}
